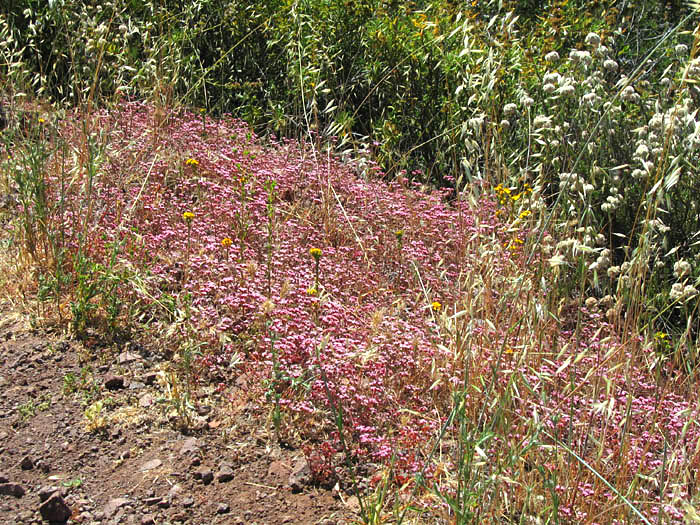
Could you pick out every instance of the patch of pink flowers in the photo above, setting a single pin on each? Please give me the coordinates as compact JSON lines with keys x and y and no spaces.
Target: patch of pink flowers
{"x":366,"y":334}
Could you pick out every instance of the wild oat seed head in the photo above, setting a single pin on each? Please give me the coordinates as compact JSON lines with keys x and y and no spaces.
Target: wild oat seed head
{"x":567,"y":90}
{"x":681,"y":269}
{"x":593,"y":40}
{"x":552,"y":56}
{"x":610,"y":65}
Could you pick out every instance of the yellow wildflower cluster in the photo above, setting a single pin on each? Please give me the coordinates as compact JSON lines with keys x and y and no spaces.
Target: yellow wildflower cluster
{"x":192,"y":162}
{"x":226,"y":242}
{"x":506,"y":194}
{"x":315,"y":253}
{"x":436,"y":306}
{"x":188,"y":216}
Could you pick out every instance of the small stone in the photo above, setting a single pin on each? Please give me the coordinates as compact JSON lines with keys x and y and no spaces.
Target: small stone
{"x":164,"y":503}
{"x":11,"y":489}
{"x":150,"y":465}
{"x":353,"y":503}
{"x":190,"y":446}
{"x":174,"y":491}
{"x":187,"y":502}
{"x":150,"y":378}
{"x":203,"y":410}
{"x":225,"y":473}
{"x":127,"y":357}
{"x":223,"y":508}
{"x":195,"y":462}
{"x":136,"y":385}
{"x":300,"y":476}
{"x":26,"y":463}
{"x":205,"y":474}
{"x":146,"y":401}
{"x":148,"y":519}
{"x":152,"y":501}
{"x":4,"y":478}
{"x":55,"y":508}
{"x":113,"y":382}
{"x":113,"y":505}
{"x":46,"y":492}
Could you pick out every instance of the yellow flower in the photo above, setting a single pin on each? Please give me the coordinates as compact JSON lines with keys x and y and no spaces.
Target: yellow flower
{"x":188,"y":216}
{"x":311,"y":291}
{"x":41,"y":121}
{"x":192,"y":162}
{"x":660,"y":335}
{"x":315,"y":253}
{"x":399,"y":234}
{"x":525,"y":213}
{"x":516,"y":197}
{"x":436,"y":306}
{"x":226,"y":242}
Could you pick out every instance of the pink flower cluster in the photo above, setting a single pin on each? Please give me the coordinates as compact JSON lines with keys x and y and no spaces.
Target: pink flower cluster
{"x":370,"y":340}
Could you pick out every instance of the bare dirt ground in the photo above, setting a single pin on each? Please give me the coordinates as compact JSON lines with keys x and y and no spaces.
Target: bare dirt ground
{"x":85,"y":439}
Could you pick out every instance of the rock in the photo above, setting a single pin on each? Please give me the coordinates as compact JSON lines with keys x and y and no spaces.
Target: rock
{"x":205,"y":474}
{"x":225,"y":473}
{"x":223,"y":508}
{"x":146,"y":401}
{"x":136,"y":385}
{"x":4,"y":478}
{"x":46,"y":492}
{"x":187,"y":502}
{"x":150,"y":465}
{"x":190,"y":447}
{"x":113,"y":382}
{"x":55,"y":509}
{"x":113,"y":505}
{"x":127,"y":357}
{"x":164,"y":503}
{"x":300,"y":475}
{"x":150,"y":378}
{"x":353,"y":503}
{"x":174,"y":491}
{"x":148,"y":519}
{"x":195,"y":462}
{"x":11,"y":489}
{"x":26,"y":463}
{"x":152,"y":501}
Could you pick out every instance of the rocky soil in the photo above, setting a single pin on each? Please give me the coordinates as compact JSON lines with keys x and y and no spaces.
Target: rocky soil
{"x":87,"y":435}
